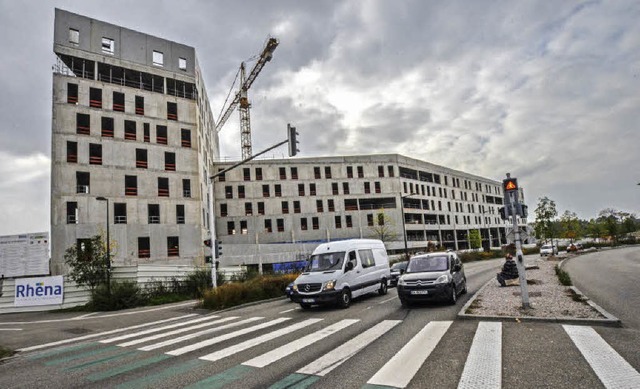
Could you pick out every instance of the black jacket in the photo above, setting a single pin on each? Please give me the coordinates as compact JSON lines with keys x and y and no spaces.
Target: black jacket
{"x":510,"y":270}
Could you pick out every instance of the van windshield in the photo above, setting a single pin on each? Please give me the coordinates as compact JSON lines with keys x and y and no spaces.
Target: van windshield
{"x":426,"y":264}
{"x":325,"y":261}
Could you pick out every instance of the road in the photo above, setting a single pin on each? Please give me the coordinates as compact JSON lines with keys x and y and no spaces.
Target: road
{"x":375,"y":343}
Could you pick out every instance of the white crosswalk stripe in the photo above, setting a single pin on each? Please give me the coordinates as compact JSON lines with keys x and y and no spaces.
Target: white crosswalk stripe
{"x":259,"y":340}
{"x":335,"y":358}
{"x":613,"y":370}
{"x":198,"y":334}
{"x":157,"y":329}
{"x":483,"y":368}
{"x":178,"y":331}
{"x":288,"y":349}
{"x":209,"y":342}
{"x":400,"y":369}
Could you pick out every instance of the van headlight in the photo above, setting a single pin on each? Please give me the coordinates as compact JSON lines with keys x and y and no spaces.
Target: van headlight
{"x":329,"y":285}
{"x":401,"y":281}
{"x":295,"y":287}
{"x":443,"y":279}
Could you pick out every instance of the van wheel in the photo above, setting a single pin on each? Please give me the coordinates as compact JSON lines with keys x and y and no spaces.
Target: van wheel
{"x":383,"y":288}
{"x":454,"y":296}
{"x":305,"y":306}
{"x":345,"y":298}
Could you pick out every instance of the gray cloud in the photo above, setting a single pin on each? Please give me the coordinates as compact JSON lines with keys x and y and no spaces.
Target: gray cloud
{"x":544,"y":90}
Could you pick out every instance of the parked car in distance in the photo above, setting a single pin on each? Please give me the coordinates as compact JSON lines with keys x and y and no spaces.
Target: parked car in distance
{"x":289,"y":290}
{"x":433,"y":276}
{"x":548,"y":249}
{"x":573,"y":247}
{"x":397,"y":269}
{"x":342,"y":270}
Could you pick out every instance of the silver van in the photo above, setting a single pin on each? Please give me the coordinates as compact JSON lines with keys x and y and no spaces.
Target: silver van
{"x":338,"y":271}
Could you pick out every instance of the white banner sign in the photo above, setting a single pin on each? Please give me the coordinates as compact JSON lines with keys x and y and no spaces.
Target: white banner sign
{"x":39,"y":291}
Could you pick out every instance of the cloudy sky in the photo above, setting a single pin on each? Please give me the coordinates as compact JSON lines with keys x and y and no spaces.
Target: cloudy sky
{"x":546,"y":90}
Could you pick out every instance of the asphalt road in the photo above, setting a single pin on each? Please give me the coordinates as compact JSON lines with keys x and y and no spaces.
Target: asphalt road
{"x":464,"y":353}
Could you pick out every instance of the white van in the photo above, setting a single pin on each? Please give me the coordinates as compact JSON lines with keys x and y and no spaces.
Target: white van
{"x":342,"y":270}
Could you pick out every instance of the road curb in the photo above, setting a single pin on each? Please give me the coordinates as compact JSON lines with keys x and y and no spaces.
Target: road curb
{"x":610,"y":320}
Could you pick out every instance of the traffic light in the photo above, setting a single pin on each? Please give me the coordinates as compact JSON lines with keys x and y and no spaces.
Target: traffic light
{"x":504,"y":213}
{"x":207,"y":242}
{"x":218,"y":249}
{"x":208,"y":259}
{"x":293,"y":142}
{"x":522,"y":210}
{"x":510,"y":191}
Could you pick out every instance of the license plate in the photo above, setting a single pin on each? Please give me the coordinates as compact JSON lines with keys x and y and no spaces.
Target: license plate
{"x":419,"y":292}
{"x":308,"y":300}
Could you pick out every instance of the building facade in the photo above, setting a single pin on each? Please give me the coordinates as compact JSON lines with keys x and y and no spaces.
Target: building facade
{"x":271,"y":211}
{"x":132,"y":138}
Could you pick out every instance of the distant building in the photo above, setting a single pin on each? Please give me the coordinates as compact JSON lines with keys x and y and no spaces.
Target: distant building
{"x":131,"y":123}
{"x":272,"y":211}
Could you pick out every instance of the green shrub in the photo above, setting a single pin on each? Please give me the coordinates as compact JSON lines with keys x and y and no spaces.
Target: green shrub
{"x":480,"y":255}
{"x":255,"y":289}
{"x":124,"y":294}
{"x":563,"y":276}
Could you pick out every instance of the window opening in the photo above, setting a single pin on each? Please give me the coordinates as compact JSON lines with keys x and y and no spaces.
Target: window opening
{"x":119,"y":213}
{"x":186,"y":187}
{"x":139,"y":105}
{"x":163,"y":187}
{"x":144,"y":247}
{"x":153,"y":212}
{"x":95,"y":154}
{"x":83,"y":124}
{"x":72,"y":152}
{"x":170,"y":161}
{"x":118,"y":101}
{"x":130,"y":185}
{"x":74,"y":36}
{"x":185,"y":136}
{"x":72,"y":93}
{"x":158,"y":58}
{"x":147,"y":136}
{"x":141,"y":158}
{"x":95,"y":98}
{"x":82,"y":182}
{"x":172,"y":111}
{"x":161,"y":135}
{"x":173,"y":246}
{"x":129,"y":130}
{"x":107,"y":45}
{"x":180,"y":214}
{"x":72,"y":212}
{"x":107,"y":127}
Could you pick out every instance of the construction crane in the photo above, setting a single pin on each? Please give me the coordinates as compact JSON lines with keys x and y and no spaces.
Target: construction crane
{"x":242,"y":99}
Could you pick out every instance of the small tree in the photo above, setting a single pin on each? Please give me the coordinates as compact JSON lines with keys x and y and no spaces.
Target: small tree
{"x":571,"y":228}
{"x":87,"y":260}
{"x":545,"y":213}
{"x":475,"y":240}
{"x":383,"y":227}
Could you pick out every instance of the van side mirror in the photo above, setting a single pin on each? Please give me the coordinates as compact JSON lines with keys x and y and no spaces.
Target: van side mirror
{"x":349,"y":266}
{"x":457,"y":267}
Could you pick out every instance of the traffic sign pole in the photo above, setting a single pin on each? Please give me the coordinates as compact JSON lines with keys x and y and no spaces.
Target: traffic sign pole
{"x":519,"y":256}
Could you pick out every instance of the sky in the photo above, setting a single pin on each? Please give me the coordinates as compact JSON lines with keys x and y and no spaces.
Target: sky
{"x":547,"y":91}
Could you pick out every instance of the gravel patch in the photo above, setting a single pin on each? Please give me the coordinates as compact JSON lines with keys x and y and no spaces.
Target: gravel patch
{"x":547,"y":297}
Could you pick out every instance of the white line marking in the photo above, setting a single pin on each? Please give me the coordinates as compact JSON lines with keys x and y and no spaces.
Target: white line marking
{"x":209,"y":342}
{"x":401,"y":368}
{"x":178,"y":331}
{"x":10,"y":329}
{"x":387,"y":300}
{"x":297,"y":345}
{"x":256,"y":341}
{"x":103,"y":333}
{"x":336,"y":357}
{"x":289,"y":310}
{"x":82,"y":317}
{"x":157,"y":329}
{"x":609,"y":366}
{"x":200,"y":333}
{"x":483,"y":368}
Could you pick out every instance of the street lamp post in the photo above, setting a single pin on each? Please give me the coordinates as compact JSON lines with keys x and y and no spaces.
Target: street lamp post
{"x":108,"y":256}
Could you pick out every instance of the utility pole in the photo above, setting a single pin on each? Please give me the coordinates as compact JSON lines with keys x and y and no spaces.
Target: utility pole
{"x":514,"y":209}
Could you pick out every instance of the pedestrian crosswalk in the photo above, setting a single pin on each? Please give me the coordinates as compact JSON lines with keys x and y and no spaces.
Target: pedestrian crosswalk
{"x":198,"y":350}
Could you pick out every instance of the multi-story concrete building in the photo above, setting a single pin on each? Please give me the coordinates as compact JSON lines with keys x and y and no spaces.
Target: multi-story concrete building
{"x":278,"y":210}
{"x":132,"y":125}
